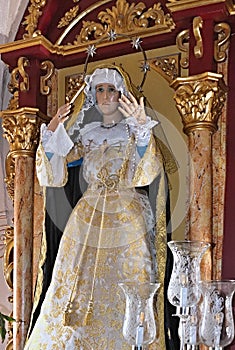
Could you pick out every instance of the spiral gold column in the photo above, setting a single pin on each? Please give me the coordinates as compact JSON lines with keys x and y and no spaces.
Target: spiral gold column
{"x":200,"y":100}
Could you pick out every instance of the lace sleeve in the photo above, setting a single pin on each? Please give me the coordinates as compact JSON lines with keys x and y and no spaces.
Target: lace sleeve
{"x":51,"y":156}
{"x":142,"y":131}
{"x":57,"y":142}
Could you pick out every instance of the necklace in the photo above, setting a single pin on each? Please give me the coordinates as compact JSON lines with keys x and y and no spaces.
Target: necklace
{"x":108,"y":126}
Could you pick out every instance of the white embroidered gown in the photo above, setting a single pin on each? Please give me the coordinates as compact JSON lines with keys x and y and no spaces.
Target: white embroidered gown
{"x":108,"y":239}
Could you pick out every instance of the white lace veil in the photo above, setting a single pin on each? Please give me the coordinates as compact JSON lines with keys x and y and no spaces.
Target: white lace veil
{"x":100,"y":75}
{"x":116,"y":76}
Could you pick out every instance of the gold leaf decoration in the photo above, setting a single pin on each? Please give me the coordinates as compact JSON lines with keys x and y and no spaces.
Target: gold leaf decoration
{"x":45,"y":81}
{"x":200,"y":100}
{"x":31,"y":20}
{"x":168,"y":67}
{"x":222,"y":43}
{"x":68,"y":17}
{"x":13,"y":88}
{"x":73,"y":83}
{"x":182,"y":42}
{"x":125,"y":18}
{"x":10,"y":175}
{"x":20,"y":132}
{"x":197,"y":26}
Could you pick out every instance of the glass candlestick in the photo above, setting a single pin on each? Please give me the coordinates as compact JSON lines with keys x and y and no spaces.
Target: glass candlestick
{"x":183,"y":290}
{"x":192,"y":338}
{"x":139,"y":326}
{"x":217,"y":323}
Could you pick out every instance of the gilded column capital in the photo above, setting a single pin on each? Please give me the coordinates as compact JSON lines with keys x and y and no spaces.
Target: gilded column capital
{"x":200,"y":100}
{"x":21,"y":129}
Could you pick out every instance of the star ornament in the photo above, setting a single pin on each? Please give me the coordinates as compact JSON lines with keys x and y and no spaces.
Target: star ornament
{"x":91,"y":50}
{"x":136,"y":43}
{"x":112,"y":35}
{"x":145,"y":67}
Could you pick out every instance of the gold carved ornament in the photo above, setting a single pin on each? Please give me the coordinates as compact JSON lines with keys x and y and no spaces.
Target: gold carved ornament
{"x":21,"y":125}
{"x":8,"y":257}
{"x":73,"y":84}
{"x":197,"y":26}
{"x":200,"y":100}
{"x":124,"y":18}
{"x":21,"y":129}
{"x":182,"y":43}
{"x":68,"y":17}
{"x":8,"y":275}
{"x":167,"y":66}
{"x":180,"y":5}
{"x":78,"y":18}
{"x":47,"y":66}
{"x":10,"y":175}
{"x":19,"y":82}
{"x":13,"y":88}
{"x":31,"y":20}
{"x":19,"y":71}
{"x":222,"y":43}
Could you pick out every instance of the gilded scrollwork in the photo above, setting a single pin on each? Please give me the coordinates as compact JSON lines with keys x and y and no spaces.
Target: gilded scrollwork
{"x":197,"y":26}
{"x":200,"y":100}
{"x":13,"y":87}
{"x":19,"y":77}
{"x":182,"y":43}
{"x":8,"y":275}
{"x":125,"y":18}
{"x":73,"y":84}
{"x":47,"y":66}
{"x":8,"y":256}
{"x":22,"y":63}
{"x":31,"y":20}
{"x":68,"y":17}
{"x":222,"y":43}
{"x":10,"y":175}
{"x":179,"y":5}
{"x":167,"y":66}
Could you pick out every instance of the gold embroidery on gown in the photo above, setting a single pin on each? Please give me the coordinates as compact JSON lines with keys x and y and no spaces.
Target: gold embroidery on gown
{"x":106,"y":241}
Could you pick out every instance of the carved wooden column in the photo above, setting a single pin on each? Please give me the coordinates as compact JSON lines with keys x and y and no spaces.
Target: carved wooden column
{"x":21,"y":128}
{"x":200,"y":100}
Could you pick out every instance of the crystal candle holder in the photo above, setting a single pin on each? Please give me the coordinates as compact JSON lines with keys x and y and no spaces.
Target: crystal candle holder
{"x":183,"y":290}
{"x":139,"y":326}
{"x":217,"y":324}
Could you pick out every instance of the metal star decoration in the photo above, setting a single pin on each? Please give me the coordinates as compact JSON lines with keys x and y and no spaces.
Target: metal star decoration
{"x":91,"y":50}
{"x":112,"y":35}
{"x":136,"y":43}
{"x":145,"y":67}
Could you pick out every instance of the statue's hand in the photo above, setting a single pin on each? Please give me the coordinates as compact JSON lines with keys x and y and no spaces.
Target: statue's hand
{"x":61,"y":116}
{"x":129,"y":107}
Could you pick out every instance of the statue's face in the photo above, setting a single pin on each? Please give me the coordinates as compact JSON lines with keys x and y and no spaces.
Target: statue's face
{"x":107,"y":98}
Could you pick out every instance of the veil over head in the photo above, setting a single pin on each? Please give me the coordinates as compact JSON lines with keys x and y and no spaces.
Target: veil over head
{"x":100,"y":75}
{"x":117,"y":76}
